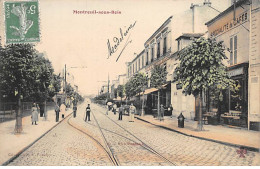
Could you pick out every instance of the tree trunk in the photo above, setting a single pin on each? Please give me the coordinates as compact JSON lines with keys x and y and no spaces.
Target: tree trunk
{"x":200,"y":124}
{"x":158,"y":106}
{"x":140,"y":103}
{"x":45,"y":111}
{"x":143,"y":106}
{"x":18,"y":125}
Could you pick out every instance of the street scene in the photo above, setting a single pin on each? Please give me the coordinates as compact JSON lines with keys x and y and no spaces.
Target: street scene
{"x":129,"y":83}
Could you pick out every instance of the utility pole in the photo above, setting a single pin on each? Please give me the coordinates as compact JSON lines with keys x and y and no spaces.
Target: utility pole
{"x":65,"y":82}
{"x":108,"y":88}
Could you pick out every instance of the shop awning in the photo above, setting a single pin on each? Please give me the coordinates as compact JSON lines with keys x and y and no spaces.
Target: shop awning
{"x":150,"y":90}
{"x":119,"y":98}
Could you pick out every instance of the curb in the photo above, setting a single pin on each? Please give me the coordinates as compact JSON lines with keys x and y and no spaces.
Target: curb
{"x":24,"y":149}
{"x":203,"y":138}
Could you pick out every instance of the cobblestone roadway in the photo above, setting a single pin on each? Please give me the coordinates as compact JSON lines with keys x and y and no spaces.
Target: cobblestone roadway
{"x":182,"y":149}
{"x":63,"y":146}
{"x":66,"y":146}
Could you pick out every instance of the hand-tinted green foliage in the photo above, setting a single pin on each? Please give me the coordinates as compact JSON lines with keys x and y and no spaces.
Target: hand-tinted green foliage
{"x":201,"y":67}
{"x":135,"y":84}
{"x":121,"y":90}
{"x":23,"y":68}
{"x":158,"y":76}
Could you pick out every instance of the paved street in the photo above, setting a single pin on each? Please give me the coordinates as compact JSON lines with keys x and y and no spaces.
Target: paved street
{"x":75,"y":142}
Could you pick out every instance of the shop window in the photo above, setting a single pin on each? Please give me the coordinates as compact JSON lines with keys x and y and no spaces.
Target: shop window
{"x":236,"y":97}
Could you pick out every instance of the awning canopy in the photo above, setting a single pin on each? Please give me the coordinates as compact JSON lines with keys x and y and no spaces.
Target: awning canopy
{"x":150,"y":90}
{"x":147,"y":91}
{"x":119,"y":98}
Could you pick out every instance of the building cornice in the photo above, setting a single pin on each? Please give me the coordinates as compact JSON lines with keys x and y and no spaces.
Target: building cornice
{"x":159,"y":29}
{"x":225,"y":12}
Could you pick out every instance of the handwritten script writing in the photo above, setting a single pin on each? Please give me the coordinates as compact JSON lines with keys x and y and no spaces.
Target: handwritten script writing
{"x":114,"y":45}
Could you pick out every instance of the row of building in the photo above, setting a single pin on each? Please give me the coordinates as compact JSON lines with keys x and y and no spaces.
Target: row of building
{"x":237,"y":27}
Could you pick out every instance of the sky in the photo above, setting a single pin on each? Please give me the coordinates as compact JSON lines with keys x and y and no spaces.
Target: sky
{"x":80,"y":40}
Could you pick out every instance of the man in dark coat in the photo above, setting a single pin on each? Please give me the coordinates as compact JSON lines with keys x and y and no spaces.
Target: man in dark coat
{"x":88,"y":113}
{"x":57,"y":111}
{"x":121,"y":109}
{"x":74,"y":108}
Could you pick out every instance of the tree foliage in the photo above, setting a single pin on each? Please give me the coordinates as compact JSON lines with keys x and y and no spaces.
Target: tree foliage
{"x":24,"y":69}
{"x":135,"y":84}
{"x":121,"y":90}
{"x":201,"y":67}
{"x":158,"y":76}
{"x":129,"y":89}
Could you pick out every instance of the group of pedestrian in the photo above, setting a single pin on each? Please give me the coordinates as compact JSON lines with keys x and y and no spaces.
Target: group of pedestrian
{"x":110,"y":107}
{"x":60,"y":110}
{"x":162,"y":112}
{"x":113,"y":107}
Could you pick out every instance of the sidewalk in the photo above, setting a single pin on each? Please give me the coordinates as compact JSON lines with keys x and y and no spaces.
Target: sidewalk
{"x":11,"y":144}
{"x":222,"y":134}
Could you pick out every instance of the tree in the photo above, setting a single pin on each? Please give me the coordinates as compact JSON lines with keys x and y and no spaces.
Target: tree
{"x":25,"y":74}
{"x":158,"y":79}
{"x":139,"y":80}
{"x":136,"y":85}
{"x":201,"y":68}
{"x":129,"y":89}
{"x":115,"y":92}
{"x":18,"y":74}
{"x":121,"y":91}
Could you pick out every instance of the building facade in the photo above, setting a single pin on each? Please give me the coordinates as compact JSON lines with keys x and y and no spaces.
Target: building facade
{"x":161,"y":48}
{"x":254,"y":67}
{"x":234,"y":27}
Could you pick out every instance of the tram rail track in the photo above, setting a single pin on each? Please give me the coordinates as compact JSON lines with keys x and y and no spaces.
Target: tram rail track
{"x":144,"y":145}
{"x":109,"y":154}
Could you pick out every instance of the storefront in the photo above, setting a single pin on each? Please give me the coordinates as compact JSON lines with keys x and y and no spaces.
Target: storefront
{"x":230,"y":106}
{"x":151,"y":101}
{"x":232,"y":26}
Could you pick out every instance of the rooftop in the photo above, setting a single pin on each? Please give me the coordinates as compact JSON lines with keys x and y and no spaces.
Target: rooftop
{"x":222,"y":14}
{"x":156,"y":32}
{"x":190,"y":35}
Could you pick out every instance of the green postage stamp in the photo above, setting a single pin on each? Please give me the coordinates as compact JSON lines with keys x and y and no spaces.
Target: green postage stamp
{"x":22,"y":21}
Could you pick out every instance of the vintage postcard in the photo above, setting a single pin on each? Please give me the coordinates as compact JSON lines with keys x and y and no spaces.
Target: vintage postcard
{"x":129,"y":82}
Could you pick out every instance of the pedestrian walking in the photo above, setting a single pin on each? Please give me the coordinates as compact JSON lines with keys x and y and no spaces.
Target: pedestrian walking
{"x":57,"y":111}
{"x":121,"y":110}
{"x":74,"y":110}
{"x":114,"y":108}
{"x":132,"y":111}
{"x":109,"y":104}
{"x":34,"y":114}
{"x":170,"y":109}
{"x":88,"y":110}
{"x":161,"y":113}
{"x":63,"y":110}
